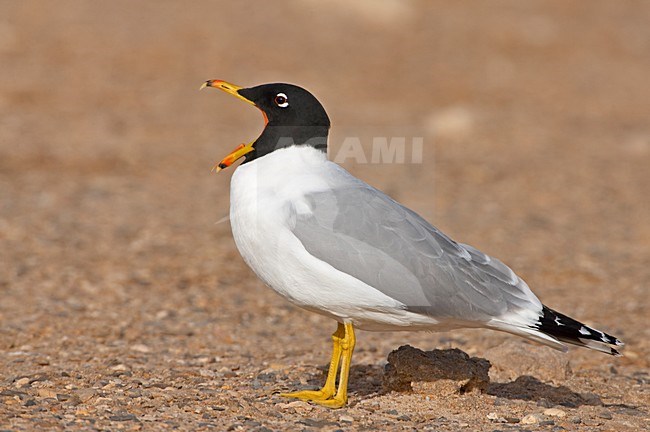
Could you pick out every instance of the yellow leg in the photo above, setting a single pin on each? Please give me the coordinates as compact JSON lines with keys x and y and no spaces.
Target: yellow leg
{"x":347,"y":348}
{"x":343,"y":346}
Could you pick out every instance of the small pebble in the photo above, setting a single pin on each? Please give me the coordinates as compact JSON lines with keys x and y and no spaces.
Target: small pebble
{"x":298,"y":403}
{"x":555,"y":412}
{"x":605,"y":415}
{"x":123,"y":417}
{"x":47,"y":393}
{"x":22,"y":382}
{"x":266,"y":377}
{"x":346,"y":418}
{"x":141,"y":348}
{"x":496,"y":418}
{"x":531,"y":419}
{"x":119,"y":367}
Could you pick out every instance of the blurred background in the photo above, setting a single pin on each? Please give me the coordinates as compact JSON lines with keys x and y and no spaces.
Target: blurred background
{"x":535,"y":123}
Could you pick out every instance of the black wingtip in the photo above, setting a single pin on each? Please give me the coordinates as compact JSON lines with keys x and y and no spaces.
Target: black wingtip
{"x":574,"y":332}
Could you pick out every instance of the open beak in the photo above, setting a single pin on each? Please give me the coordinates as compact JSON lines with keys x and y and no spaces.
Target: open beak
{"x":239,"y":152}
{"x":242,"y":149}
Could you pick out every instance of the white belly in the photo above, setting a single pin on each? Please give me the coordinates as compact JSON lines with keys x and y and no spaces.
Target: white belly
{"x":262,"y":194}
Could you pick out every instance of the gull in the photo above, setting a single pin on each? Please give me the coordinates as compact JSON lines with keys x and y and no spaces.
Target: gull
{"x":332,"y":244}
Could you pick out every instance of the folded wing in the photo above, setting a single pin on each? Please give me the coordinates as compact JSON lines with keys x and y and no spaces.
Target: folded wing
{"x":364,"y":233}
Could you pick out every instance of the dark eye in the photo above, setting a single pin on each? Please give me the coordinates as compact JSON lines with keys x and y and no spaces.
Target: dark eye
{"x":281,"y":100}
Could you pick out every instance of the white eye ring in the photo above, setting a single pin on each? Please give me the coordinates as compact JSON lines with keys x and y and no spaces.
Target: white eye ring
{"x":281,"y":100}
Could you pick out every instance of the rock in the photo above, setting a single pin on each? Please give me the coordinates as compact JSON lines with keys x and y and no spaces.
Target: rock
{"x":492,"y":416}
{"x":85,"y":394}
{"x":497,"y":418}
{"x":122,"y":417}
{"x":318,"y":424}
{"x":61,"y":397}
{"x":531,"y":419}
{"x":207,"y":373}
{"x":605,"y":415}
{"x":437,"y":372}
{"x":47,"y":393}
{"x":82,"y":412}
{"x":346,"y":419}
{"x":513,"y":359}
{"x":120,"y":368}
{"x":22,"y":382}
{"x":296,"y":405}
{"x":267,"y":377}
{"x":141,"y":348}
{"x":591,"y":399}
{"x":554,"y":412}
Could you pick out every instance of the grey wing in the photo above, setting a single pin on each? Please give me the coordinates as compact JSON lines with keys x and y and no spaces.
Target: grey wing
{"x":364,"y":233}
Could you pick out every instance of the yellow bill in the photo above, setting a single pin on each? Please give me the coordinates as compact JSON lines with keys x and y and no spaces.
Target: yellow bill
{"x":241,"y":151}
{"x":229,"y":88}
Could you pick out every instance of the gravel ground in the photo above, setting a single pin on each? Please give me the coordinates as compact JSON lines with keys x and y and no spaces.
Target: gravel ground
{"x":125,"y":305}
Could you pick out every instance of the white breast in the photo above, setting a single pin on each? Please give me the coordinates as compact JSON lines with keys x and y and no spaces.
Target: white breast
{"x":263,"y":194}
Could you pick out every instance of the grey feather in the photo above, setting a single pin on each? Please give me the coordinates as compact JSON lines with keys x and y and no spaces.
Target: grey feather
{"x":361,"y":231}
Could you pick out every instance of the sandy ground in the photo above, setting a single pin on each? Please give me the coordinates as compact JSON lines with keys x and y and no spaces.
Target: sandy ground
{"x":124,"y":303}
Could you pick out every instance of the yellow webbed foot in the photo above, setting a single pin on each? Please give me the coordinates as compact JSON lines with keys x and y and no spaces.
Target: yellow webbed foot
{"x":309,"y":395}
{"x":319,"y":397}
{"x":334,"y":402}
{"x":343,"y":343}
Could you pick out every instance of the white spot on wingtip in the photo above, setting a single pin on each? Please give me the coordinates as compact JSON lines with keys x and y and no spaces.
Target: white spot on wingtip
{"x":584,"y":331}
